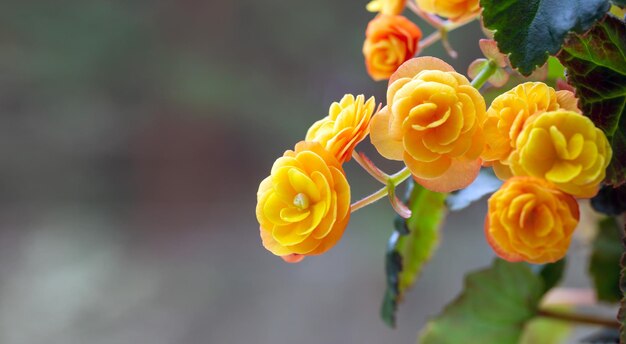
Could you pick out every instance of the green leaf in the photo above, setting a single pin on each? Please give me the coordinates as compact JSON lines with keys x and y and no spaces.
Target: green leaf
{"x":604,"y":264}
{"x":596,"y":67}
{"x":555,"y":69}
{"x":529,"y":30}
{"x":547,"y":331}
{"x":551,"y":274}
{"x":411,"y":245}
{"x":486,"y":183}
{"x":494,"y":306}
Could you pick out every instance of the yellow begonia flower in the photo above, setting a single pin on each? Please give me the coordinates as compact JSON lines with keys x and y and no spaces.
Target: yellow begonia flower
{"x":303,"y":207}
{"x":530,"y":220}
{"x":433,"y":122}
{"x":508,"y":114}
{"x":386,"y":6}
{"x":346,"y":125}
{"x":565,"y":148}
{"x":453,"y":9}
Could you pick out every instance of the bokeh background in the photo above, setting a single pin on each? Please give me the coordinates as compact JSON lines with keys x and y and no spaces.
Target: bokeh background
{"x":133,"y":135}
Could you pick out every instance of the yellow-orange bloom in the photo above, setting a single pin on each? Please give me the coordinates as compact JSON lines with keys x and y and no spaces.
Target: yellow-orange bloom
{"x":389,"y":41}
{"x":565,"y":148}
{"x":530,"y":220}
{"x":508,"y":114}
{"x":346,"y":125}
{"x":453,"y":9}
{"x":303,"y":207}
{"x":432,"y":121}
{"x":386,"y":6}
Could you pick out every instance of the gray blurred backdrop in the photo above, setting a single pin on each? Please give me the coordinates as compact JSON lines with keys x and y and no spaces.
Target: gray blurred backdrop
{"x":133,"y":135}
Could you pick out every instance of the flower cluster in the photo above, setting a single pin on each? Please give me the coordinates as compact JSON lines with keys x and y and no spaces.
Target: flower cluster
{"x":437,"y":123}
{"x":303,"y":207}
{"x":538,"y":140}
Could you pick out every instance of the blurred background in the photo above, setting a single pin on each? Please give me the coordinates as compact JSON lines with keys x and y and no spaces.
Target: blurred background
{"x":133,"y":136}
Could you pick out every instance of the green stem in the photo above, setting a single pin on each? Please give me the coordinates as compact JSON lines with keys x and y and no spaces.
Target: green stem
{"x":369,"y":199}
{"x":393,"y":181}
{"x":578,"y":318}
{"x":484,"y":74}
{"x":399,"y":177}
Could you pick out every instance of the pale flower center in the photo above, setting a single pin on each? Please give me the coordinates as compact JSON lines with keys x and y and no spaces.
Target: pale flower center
{"x":301,"y":201}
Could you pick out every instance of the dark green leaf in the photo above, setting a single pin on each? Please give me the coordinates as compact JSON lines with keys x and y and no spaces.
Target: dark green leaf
{"x":529,"y":30}
{"x":604,"y":264}
{"x":551,"y":274}
{"x":610,"y":201}
{"x":486,"y":183}
{"x":393,"y":267}
{"x":494,"y":306}
{"x":411,"y":245}
{"x":596,"y":67}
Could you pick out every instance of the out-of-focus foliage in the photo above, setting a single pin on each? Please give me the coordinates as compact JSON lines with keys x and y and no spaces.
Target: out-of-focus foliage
{"x":409,"y":251}
{"x":547,"y":331}
{"x":551,"y":273}
{"x":495,"y":305}
{"x":604,"y":265}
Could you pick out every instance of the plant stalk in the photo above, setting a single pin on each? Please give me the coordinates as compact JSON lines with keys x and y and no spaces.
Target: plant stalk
{"x":393,"y":181}
{"x":484,"y":74}
{"x":578,"y":318}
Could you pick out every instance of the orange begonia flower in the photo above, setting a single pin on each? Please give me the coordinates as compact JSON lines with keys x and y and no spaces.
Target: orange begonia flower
{"x":433,"y":122}
{"x":508,"y":114}
{"x":530,"y":220}
{"x":303,"y":207}
{"x":346,"y":125}
{"x":386,"y":6}
{"x":455,"y":10}
{"x":565,"y":148}
{"x":389,"y":41}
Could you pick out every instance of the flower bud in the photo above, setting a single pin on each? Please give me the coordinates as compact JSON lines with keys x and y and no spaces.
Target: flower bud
{"x":389,"y":41}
